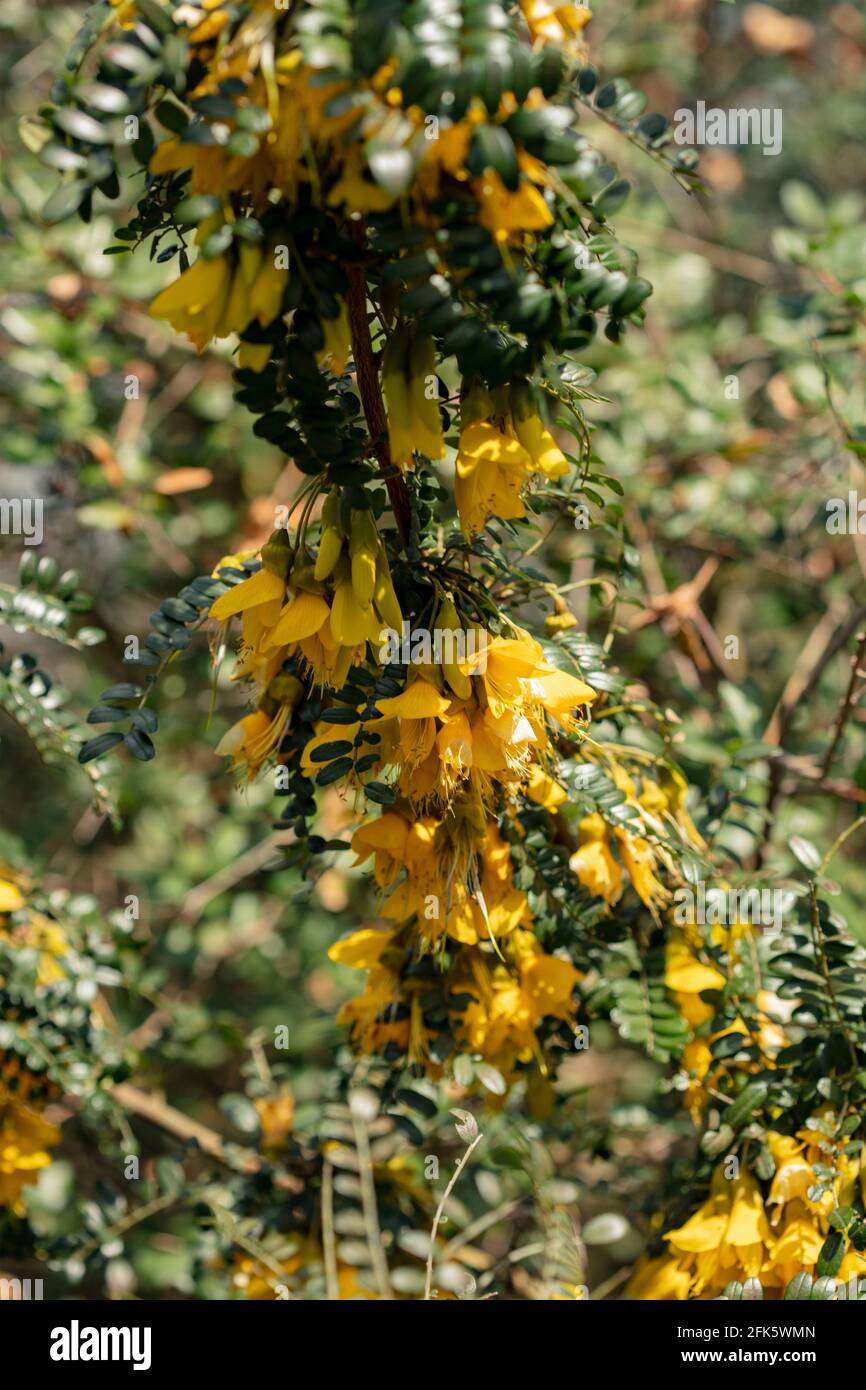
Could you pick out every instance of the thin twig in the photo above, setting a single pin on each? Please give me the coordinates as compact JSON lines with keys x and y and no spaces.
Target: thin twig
{"x":368,"y":1204}
{"x":428,"y":1286}
{"x":818,"y":942}
{"x":126,"y":1223}
{"x":329,"y":1243}
{"x":248,"y":863}
{"x":845,"y":707}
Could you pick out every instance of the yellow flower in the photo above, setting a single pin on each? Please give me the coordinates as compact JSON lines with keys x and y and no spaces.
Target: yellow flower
{"x":267,"y":290}
{"x":500,"y":1023}
{"x":39,"y":933}
{"x":544,"y":790}
{"x":195,"y":302}
{"x":491,"y":469}
{"x":593,"y":861}
{"x":301,"y":617}
{"x":389,"y":1009}
{"x":502,"y":211}
{"x":687,"y":977}
{"x":660,"y":1279}
{"x":420,"y":700}
{"x":25,"y":1136}
{"x":338,"y":342}
{"x":11,"y":898}
{"x":251,"y":739}
{"x":276,"y":1117}
{"x":385,"y":839}
{"x":639,"y":858}
{"x":552,"y":23}
{"x":355,"y":191}
{"x":254,"y":356}
{"x":410,"y":388}
{"x":502,"y":441}
{"x":126,"y":14}
{"x":362,"y":950}
{"x":264,"y":587}
{"x":731,"y":1237}
{"x":728,"y":1236}
{"x":546,"y":455}
{"x":446,"y":155}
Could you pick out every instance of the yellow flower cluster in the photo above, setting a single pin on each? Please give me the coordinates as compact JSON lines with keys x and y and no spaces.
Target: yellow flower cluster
{"x":459,"y":742}
{"x":223,"y":294}
{"x":311,"y":137}
{"x":23,"y":926}
{"x":286,"y":610}
{"x":300,"y":132}
{"x":26,"y":1137}
{"x":502,"y":441}
{"x":511,"y":990}
{"x":739,"y":1233}
{"x":660,"y":806}
{"x":471,"y":735}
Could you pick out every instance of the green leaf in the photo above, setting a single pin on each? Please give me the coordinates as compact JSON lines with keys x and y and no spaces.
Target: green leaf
{"x":107,"y":714}
{"x":124,"y":691}
{"x":81,"y":126}
{"x":326,"y":751}
{"x":605,"y":1229}
{"x":139,"y":745}
{"x":333,"y":772}
{"x":379,"y":792}
{"x":831,"y":1255}
{"x":96,"y":747}
{"x":748,"y":1101}
{"x":64,"y":201}
{"x":493,"y":148}
{"x":806,"y":852}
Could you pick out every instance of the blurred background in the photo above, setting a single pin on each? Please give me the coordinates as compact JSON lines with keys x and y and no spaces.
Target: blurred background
{"x":731,"y":420}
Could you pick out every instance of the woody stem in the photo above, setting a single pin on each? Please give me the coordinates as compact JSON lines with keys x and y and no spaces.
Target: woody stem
{"x":371,"y":398}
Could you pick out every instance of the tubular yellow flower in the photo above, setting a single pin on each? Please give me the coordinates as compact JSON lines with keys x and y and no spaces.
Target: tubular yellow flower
{"x":195,"y":303}
{"x":338,"y":342}
{"x":267,"y":290}
{"x":539,"y":443}
{"x":503,"y":212}
{"x":593,"y":861}
{"x":263,"y":587}
{"x":11,"y":897}
{"x":25,"y":1135}
{"x":491,"y":469}
{"x":410,"y":389}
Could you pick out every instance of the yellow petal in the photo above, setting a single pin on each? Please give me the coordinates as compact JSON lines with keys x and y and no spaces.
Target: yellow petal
{"x":420,"y":700}
{"x":261,"y":587}
{"x":302,"y":617}
{"x":352,"y":623}
{"x":10,"y":898}
{"x":362,"y":949}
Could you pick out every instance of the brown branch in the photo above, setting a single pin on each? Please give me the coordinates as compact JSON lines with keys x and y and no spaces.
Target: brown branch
{"x":150,"y":1107}
{"x":370,"y":391}
{"x":831,"y":632}
{"x":158,"y":1112}
{"x":845,"y":707}
{"x":251,"y":862}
